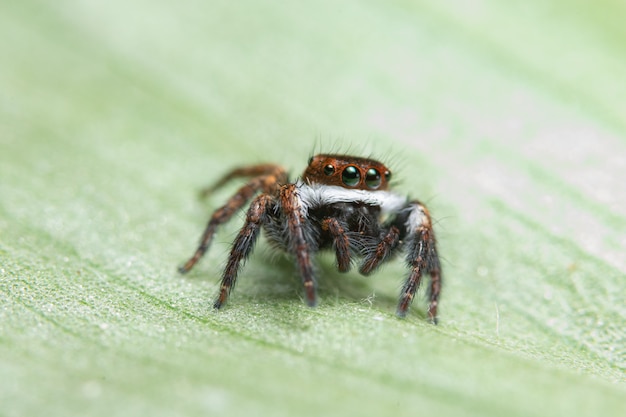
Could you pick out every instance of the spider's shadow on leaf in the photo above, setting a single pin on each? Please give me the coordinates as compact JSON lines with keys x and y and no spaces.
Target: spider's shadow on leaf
{"x":271,"y":277}
{"x":276,"y":280}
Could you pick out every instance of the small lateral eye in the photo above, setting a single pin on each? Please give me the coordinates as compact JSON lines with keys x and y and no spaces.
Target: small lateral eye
{"x":329,"y":169}
{"x":350,"y":176}
{"x":387,"y":175}
{"x":372,"y":178}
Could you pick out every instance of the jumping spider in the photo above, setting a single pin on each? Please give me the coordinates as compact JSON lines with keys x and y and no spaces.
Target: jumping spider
{"x":341,"y":203}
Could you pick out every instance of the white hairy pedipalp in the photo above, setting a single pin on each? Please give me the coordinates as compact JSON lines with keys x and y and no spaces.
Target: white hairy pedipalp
{"x":316,"y":195}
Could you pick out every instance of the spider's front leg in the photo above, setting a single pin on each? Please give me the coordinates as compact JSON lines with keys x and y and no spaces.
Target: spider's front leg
{"x":422,"y":258}
{"x":243,"y":245}
{"x":296,"y":223}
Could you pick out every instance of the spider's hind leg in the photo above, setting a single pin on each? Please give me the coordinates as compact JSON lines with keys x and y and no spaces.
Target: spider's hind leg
{"x":268,"y":179}
{"x":261,"y":170}
{"x":243,"y":245}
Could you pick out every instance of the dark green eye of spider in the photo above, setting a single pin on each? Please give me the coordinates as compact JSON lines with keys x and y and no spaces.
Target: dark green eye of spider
{"x":372,"y":178}
{"x":350,"y":176}
{"x":329,"y":169}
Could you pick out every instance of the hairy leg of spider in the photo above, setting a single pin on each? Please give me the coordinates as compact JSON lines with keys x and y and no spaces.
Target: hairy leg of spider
{"x":340,"y":242}
{"x":422,"y":258}
{"x":384,"y":248}
{"x":435,"y":286}
{"x":242,"y":246}
{"x":292,"y":208}
{"x":262,"y":170}
{"x":224,"y":213}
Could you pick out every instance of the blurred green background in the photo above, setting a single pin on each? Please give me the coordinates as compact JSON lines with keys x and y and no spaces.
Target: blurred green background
{"x":507,"y":119}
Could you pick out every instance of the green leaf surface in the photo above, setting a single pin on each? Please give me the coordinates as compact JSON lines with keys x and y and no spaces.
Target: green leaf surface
{"x":506,"y":118}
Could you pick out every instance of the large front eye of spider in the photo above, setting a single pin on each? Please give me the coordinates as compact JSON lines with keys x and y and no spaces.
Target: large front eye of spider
{"x":350,"y":176}
{"x":372,"y":178}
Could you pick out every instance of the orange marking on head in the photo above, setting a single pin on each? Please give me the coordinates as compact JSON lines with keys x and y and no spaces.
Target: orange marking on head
{"x":347,"y":172}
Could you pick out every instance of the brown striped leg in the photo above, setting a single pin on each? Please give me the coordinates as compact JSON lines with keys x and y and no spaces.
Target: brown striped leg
{"x":384,"y":248}
{"x":422,"y":258}
{"x":242,"y":246}
{"x":224,"y":213}
{"x":292,"y":208}
{"x":435,"y":289}
{"x":262,"y":170}
{"x":340,"y":243}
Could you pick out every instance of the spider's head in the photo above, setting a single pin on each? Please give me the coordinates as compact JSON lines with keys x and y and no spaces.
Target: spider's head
{"x":347,"y":171}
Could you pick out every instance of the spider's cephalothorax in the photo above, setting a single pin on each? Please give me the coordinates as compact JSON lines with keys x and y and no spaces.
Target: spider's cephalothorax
{"x":342,"y":203}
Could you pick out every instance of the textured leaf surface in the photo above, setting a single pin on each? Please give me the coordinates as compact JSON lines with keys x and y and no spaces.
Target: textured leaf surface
{"x":507,"y":120}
